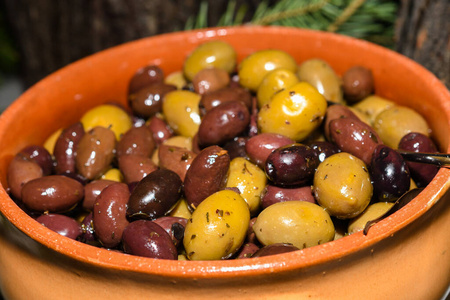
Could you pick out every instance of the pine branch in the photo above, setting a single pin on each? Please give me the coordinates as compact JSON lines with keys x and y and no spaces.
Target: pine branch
{"x":372,"y":20}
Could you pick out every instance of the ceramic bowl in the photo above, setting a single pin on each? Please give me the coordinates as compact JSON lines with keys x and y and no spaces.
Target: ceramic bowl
{"x":405,"y":256}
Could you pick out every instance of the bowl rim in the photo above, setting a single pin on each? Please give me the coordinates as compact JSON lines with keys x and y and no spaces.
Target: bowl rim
{"x":232,"y":268}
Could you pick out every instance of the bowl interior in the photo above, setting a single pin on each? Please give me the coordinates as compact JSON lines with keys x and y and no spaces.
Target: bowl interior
{"x":61,"y":98}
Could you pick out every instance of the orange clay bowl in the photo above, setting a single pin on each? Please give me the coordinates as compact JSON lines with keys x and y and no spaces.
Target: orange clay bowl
{"x":405,"y":256}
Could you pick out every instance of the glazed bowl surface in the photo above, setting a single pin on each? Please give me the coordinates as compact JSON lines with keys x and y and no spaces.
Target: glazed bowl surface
{"x":405,"y":256}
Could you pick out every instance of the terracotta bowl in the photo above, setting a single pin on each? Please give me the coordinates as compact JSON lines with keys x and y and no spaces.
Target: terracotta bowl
{"x":406,"y":256}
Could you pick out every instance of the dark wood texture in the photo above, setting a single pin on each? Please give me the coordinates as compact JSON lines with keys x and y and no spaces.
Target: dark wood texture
{"x":422,"y":33}
{"x":50,"y":34}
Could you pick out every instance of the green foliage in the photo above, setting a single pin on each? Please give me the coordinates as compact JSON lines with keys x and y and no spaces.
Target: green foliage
{"x":371,"y":20}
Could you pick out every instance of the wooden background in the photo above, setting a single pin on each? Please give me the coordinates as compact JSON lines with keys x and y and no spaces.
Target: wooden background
{"x":50,"y":34}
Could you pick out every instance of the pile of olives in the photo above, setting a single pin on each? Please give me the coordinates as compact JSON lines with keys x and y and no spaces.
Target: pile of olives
{"x":226,"y":160}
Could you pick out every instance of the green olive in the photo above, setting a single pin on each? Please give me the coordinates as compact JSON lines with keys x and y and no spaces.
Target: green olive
{"x":300,"y":223}
{"x":108,"y":116}
{"x":372,"y":212}
{"x":181,"y":110}
{"x":249,"y":179}
{"x":373,"y":105}
{"x":320,"y":75}
{"x":342,"y":185}
{"x":274,"y":82}
{"x":294,"y":112}
{"x":213,"y":54}
{"x":395,"y":122}
{"x":256,"y":66}
{"x":217,"y":227}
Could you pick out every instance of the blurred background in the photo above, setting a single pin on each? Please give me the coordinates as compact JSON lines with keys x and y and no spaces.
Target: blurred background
{"x":38,"y":37}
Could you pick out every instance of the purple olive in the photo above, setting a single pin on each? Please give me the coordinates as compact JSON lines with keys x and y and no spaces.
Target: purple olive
{"x":236,"y":147}
{"x":41,"y":156}
{"x":324,"y":149}
{"x":247,"y":250}
{"x":146,"y":238}
{"x":421,"y":173}
{"x":274,"y":194}
{"x":174,"y":226}
{"x":389,"y":173}
{"x":65,"y":148}
{"x":274,"y":249}
{"x":61,"y":224}
{"x":291,"y":165}
{"x":154,"y":195}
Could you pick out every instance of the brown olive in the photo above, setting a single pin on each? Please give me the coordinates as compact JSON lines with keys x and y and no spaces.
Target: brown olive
{"x":176,"y":159}
{"x":273,"y":249}
{"x":227,"y":94}
{"x":148,"y":239}
{"x":65,"y":148}
{"x":223,"y":123}
{"x":154,"y":195}
{"x":174,"y":226}
{"x":147,"y":101}
{"x":39,"y":155}
{"x":273,"y":194}
{"x":20,"y":171}
{"x":160,"y":130}
{"x":61,"y":224}
{"x":109,"y":214}
{"x":137,"y":141}
{"x":53,"y":193}
{"x":210,"y":80}
{"x":135,"y":167}
{"x":145,"y":76}
{"x":357,"y":83}
{"x":206,"y":175}
{"x":95,"y":152}
{"x":92,"y":190}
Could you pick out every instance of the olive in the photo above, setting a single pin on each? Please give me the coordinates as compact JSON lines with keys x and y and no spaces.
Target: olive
{"x":65,"y":148}
{"x":39,"y":155}
{"x":147,"y":101}
{"x":218,"y":227}
{"x":109,"y":214}
{"x":260,"y":146}
{"x":236,"y":147}
{"x":319,"y":74}
{"x":92,"y":190}
{"x":273,"y":82}
{"x":108,"y":116}
{"x":421,"y":173}
{"x":373,"y":105}
{"x":53,"y":193}
{"x":223,"y":123}
{"x":336,"y":111}
{"x":50,"y":142}
{"x":273,"y":194}
{"x":355,"y":137}
{"x":154,"y":195}
{"x":342,"y":185}
{"x":87,"y":228}
{"x":257,"y":65}
{"x":227,"y":94}
{"x":249,"y":179}
{"x":181,"y":111}
{"x":145,"y":76}
{"x":300,"y":223}
{"x":176,"y":159}
{"x":247,"y":250}
{"x":95,"y":152}
{"x":210,"y":80}
{"x":177,"y":79}
{"x":274,"y":249}
{"x":212,"y":54}
{"x":295,"y":112}
{"x":389,"y":173}
{"x":135,"y":167}
{"x":174,"y":226}
{"x":136,"y":141}
{"x":291,"y":165}
{"x":61,"y":224}
{"x":324,"y":149}
{"x":357,"y":83}
{"x":20,"y":171}
{"x":395,"y":122}
{"x":206,"y":175}
{"x":161,"y":131}
{"x":372,"y":212}
{"x":146,"y":238}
